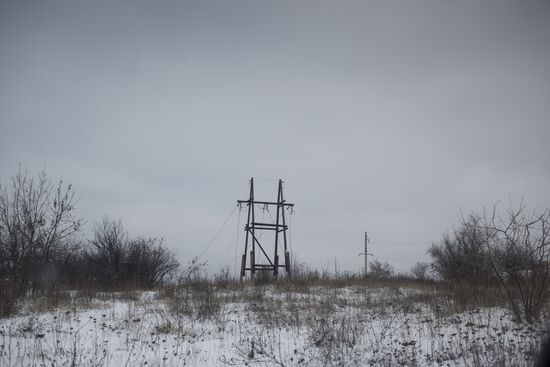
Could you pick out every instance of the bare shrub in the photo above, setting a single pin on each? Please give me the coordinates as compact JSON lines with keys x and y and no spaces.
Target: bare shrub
{"x":148,"y":263}
{"x":463,"y":256}
{"x":519,"y":243}
{"x":380,"y":270}
{"x":193,"y":275}
{"x":510,"y":250}
{"x":223,"y":279}
{"x":120,"y":261}
{"x":421,"y":271}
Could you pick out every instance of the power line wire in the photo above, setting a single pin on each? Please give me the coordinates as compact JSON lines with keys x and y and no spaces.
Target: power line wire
{"x":403,"y":243}
{"x":348,"y":253}
{"x":218,"y":233}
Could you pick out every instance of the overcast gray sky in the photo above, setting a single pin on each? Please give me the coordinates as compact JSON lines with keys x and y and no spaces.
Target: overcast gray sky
{"x":386,"y":116}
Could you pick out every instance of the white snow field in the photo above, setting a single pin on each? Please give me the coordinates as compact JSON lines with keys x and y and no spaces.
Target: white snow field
{"x":266,"y":326}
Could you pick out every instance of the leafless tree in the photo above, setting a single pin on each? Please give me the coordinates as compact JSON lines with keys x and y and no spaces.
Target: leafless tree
{"x":519,"y":243}
{"x":37,"y":223}
{"x":108,"y":249}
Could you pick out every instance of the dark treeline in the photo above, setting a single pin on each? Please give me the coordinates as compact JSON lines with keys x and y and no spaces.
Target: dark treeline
{"x":40,"y":245}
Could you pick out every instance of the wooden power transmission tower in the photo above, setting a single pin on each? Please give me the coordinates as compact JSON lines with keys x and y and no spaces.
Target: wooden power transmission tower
{"x":251,"y":239}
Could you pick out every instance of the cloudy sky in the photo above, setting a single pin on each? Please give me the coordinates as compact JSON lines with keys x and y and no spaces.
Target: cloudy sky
{"x":386,"y":116}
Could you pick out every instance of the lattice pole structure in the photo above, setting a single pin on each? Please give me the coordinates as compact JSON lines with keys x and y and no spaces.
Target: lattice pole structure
{"x":251,"y":239}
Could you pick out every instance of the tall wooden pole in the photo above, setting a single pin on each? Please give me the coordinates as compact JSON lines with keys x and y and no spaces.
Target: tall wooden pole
{"x":279,"y":208}
{"x":366,"y":253}
{"x":249,"y":205}
{"x":286,"y":253}
{"x":253,"y":252}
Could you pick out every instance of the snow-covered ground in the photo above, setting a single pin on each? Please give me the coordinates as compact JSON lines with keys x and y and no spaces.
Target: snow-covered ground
{"x":323,"y":326}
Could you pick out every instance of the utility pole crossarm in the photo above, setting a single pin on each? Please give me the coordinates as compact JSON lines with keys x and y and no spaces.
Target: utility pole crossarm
{"x":265,"y":202}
